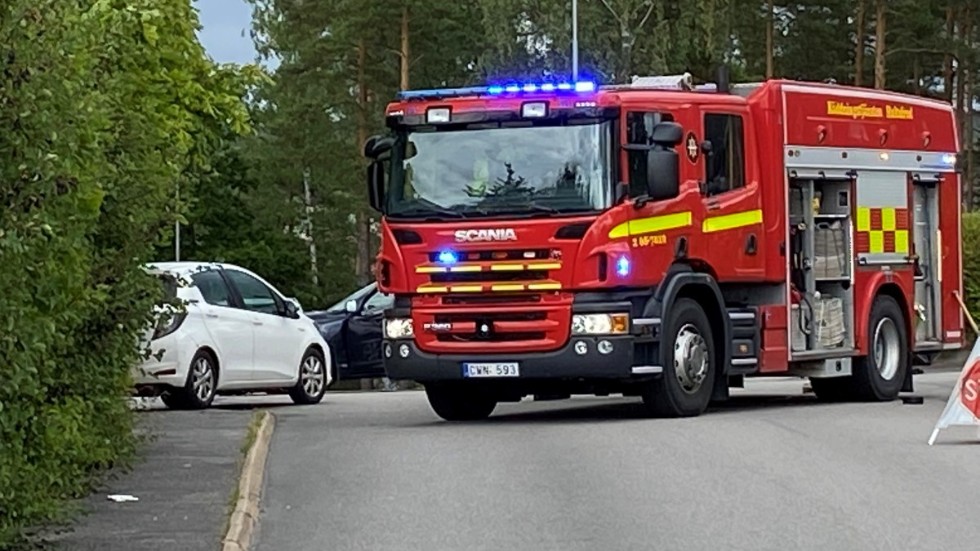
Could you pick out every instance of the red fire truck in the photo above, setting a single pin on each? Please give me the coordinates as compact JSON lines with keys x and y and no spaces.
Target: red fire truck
{"x":664,"y":240}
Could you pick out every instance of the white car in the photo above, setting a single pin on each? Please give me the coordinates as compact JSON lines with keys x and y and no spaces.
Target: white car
{"x":235,"y":334}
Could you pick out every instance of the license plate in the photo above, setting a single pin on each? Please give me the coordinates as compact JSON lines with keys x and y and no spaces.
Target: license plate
{"x":510,"y":369}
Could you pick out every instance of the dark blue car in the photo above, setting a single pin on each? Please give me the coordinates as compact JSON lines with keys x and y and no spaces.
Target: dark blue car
{"x":352,"y":328}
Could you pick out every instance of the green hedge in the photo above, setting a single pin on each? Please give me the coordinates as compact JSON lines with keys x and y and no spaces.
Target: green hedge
{"x":971,"y":263}
{"x":104,"y":107}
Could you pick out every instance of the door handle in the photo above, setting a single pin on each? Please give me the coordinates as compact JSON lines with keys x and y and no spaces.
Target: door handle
{"x":211,"y":315}
{"x":254,"y":322}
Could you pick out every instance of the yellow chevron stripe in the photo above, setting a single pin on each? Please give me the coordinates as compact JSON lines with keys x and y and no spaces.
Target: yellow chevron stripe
{"x":732,"y":221}
{"x":652,"y":224}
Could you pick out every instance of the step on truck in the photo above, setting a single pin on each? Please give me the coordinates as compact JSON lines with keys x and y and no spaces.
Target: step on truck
{"x":664,"y":240}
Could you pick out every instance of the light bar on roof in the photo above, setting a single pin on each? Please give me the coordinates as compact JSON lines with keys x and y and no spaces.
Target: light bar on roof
{"x":510,"y":88}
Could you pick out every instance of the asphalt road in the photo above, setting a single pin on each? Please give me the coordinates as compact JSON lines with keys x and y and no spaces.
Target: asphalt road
{"x":772,"y":470}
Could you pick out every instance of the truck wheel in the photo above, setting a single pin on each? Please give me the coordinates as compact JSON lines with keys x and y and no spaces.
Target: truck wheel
{"x":878,"y":377}
{"x":690,"y":364}
{"x":458,"y":403}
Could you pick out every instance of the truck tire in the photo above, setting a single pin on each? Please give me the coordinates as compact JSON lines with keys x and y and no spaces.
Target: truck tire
{"x":877,"y":377}
{"x":454,"y":402}
{"x":690,"y":364}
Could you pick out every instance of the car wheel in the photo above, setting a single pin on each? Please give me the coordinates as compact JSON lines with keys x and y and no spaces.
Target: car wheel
{"x":311,"y":383}
{"x":201,"y":386}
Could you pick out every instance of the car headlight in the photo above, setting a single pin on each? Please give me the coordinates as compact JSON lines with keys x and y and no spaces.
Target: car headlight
{"x":399,"y":328}
{"x":600,"y":324}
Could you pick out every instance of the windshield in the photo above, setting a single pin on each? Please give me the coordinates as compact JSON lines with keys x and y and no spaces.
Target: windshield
{"x":495,"y":169}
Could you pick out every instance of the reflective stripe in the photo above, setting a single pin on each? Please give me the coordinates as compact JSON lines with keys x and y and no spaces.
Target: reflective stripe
{"x":652,"y":224}
{"x":732,"y":221}
{"x":552,"y":286}
{"x":466,"y":288}
{"x":432,"y":289}
{"x":882,"y":230}
{"x":544,"y":266}
{"x":429,"y":269}
{"x":507,"y":287}
{"x":506,"y":267}
{"x":465,"y":269}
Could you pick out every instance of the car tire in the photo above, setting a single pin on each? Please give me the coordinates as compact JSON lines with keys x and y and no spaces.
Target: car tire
{"x":454,"y":402}
{"x":685,"y":389}
{"x":201,"y":386}
{"x":311,"y":381}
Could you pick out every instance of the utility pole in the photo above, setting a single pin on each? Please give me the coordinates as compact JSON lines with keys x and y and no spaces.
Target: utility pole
{"x":575,"y":40}
{"x":177,"y":225}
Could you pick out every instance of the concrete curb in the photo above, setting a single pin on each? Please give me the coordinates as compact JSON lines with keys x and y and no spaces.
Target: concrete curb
{"x":246,"y":513}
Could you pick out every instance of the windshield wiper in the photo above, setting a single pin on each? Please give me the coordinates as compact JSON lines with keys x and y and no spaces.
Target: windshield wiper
{"x":431,"y":211}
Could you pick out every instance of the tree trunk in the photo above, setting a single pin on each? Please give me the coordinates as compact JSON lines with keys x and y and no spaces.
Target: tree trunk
{"x":770,"y":36}
{"x":404,"y":52}
{"x":948,"y":59}
{"x":969,"y":76}
{"x":917,"y":76}
{"x":859,"y":45}
{"x":308,"y":204}
{"x":880,"y":44}
{"x":362,"y":268}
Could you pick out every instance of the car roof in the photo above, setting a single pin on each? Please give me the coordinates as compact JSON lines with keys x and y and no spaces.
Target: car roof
{"x":188,"y":267}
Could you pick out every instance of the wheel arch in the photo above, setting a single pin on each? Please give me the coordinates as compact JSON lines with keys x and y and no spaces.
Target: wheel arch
{"x":682,"y":281}
{"x":325,"y":355}
{"x":214,"y":357}
{"x":862,"y":315}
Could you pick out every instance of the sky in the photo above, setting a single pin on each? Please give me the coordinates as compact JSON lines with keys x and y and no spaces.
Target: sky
{"x":225,"y":30}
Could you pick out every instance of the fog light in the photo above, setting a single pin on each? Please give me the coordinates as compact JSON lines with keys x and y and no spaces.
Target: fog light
{"x":387,"y":350}
{"x":403,"y":351}
{"x":581,"y":348}
{"x":605,"y":347}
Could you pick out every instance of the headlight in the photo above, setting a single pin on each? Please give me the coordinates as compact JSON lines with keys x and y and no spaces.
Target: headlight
{"x":399,"y":328}
{"x":600,"y":324}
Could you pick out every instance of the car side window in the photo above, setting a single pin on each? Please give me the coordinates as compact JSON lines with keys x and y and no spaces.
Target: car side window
{"x":378,"y":303}
{"x":213,"y":288}
{"x":255,"y":294}
{"x":725,"y":166}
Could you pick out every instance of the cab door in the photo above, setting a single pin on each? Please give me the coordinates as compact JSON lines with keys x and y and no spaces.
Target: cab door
{"x":731,"y":220}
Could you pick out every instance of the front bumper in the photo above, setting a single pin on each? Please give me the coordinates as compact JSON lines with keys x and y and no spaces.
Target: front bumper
{"x":564,"y":363}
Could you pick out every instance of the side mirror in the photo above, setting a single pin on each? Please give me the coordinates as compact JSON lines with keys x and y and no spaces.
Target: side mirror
{"x":351,"y":306}
{"x":663,"y":164}
{"x":663,"y":174}
{"x":292,"y":310}
{"x":376,"y":185}
{"x":377,"y":145}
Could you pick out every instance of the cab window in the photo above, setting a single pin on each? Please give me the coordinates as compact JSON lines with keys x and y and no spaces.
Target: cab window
{"x":725,"y":165}
{"x":639,"y":128}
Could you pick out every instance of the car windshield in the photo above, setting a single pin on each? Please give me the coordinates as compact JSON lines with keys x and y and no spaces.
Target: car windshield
{"x":341,"y":307}
{"x":502,"y":170}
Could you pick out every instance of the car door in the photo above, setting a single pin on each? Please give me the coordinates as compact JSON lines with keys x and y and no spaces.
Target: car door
{"x":278,"y":339}
{"x":364,"y":337}
{"x":228,"y":327}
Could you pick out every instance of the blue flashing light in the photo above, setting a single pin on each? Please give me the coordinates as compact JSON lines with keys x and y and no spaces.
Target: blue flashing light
{"x":448,"y":257}
{"x":500,"y":89}
{"x":949,"y":159}
{"x":623,"y":266}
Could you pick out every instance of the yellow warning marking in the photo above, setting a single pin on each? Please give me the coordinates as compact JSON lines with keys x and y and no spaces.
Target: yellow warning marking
{"x":466,"y":288}
{"x":429,"y":269}
{"x":653,"y":224}
{"x":877,"y":241}
{"x":864,"y":219}
{"x":432,"y":289}
{"x":732,"y":221}
{"x":466,"y":268}
{"x":901,"y":241}
{"x":506,"y":267}
{"x":888,"y":219}
{"x":544,"y":266}
{"x":507,"y":287}
{"x":544,"y":286}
